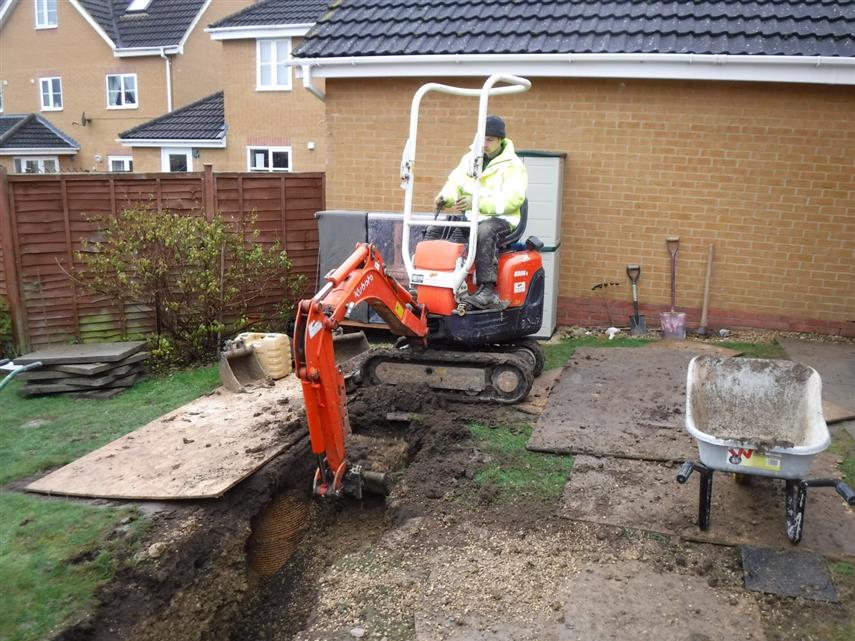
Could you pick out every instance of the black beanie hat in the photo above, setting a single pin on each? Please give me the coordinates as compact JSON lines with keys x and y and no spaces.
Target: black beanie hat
{"x":495,"y":127}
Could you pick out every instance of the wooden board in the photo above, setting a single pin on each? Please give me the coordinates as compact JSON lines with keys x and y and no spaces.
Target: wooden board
{"x":198,"y":451}
{"x":87,"y":353}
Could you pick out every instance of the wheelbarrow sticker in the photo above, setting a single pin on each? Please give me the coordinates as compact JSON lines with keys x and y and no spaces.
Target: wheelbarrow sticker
{"x":746,"y":457}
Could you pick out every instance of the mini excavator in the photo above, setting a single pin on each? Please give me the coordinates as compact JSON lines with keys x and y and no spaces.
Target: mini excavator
{"x":461,"y":354}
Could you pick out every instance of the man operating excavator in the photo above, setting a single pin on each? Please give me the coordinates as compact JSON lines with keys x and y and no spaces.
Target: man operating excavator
{"x":503,"y":185}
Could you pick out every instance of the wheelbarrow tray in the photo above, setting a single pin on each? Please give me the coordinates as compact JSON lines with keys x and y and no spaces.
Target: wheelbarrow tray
{"x":755,"y":416}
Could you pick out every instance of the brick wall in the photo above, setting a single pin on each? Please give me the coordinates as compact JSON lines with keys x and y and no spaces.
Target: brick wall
{"x":766,"y":172}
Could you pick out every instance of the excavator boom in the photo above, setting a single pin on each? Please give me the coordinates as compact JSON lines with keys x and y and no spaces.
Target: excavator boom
{"x":361,"y":278}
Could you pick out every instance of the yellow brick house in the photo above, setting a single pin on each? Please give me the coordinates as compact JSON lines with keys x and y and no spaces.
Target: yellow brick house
{"x":75,"y":73}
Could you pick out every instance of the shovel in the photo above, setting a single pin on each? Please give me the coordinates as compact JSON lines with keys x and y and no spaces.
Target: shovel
{"x":637,"y":324}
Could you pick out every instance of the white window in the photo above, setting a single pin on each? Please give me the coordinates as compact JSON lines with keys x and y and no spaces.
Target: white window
{"x":45,"y":14}
{"x":120,"y":163}
{"x":122,"y":91}
{"x":36,"y":165}
{"x":269,"y":158}
{"x":272,"y":73}
{"x":51,"y":90}
{"x":138,"y":5}
{"x":1,"y":96}
{"x":176,"y":159}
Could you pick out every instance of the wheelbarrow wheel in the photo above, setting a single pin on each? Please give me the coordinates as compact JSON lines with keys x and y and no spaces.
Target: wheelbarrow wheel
{"x":742,"y":479}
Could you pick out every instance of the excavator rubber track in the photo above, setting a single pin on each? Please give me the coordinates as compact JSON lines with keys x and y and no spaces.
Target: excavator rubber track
{"x":484,"y":376}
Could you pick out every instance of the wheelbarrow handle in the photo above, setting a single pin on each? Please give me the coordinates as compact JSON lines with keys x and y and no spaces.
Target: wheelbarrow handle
{"x":685,"y":472}
{"x":846,"y":492}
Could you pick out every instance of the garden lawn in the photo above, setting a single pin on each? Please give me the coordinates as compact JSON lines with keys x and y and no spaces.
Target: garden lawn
{"x":55,"y":553}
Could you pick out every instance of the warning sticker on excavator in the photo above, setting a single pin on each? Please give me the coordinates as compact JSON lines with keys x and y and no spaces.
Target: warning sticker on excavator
{"x":519,"y":287}
{"x":399,"y":310}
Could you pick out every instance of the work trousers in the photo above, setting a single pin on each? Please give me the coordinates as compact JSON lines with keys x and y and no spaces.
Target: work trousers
{"x":487,"y":253}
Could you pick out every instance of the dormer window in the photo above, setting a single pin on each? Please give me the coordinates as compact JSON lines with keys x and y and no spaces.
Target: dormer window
{"x":138,"y":5}
{"x":46,"y":14}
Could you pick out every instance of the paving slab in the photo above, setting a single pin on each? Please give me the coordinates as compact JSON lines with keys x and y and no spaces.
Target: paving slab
{"x":835,"y":363}
{"x":85,"y":353}
{"x":103,"y":380}
{"x":645,"y":495}
{"x":619,"y":402}
{"x":787,"y":573}
{"x":199,"y":450}
{"x":600,"y":602}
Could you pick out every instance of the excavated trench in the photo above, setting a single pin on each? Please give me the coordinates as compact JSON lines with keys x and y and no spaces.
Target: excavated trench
{"x":246,"y":566}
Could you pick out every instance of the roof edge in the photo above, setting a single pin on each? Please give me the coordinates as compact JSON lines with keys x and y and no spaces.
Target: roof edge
{"x":749,"y":68}
{"x":92,"y":23}
{"x":260,"y":31}
{"x":202,"y":143}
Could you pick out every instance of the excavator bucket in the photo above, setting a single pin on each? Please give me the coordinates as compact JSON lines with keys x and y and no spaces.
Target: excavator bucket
{"x":239,"y":368}
{"x":346,"y":346}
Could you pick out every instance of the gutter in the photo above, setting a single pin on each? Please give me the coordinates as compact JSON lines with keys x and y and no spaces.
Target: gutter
{"x":134,"y":52}
{"x":219,"y":143}
{"x":751,"y":68}
{"x":168,"y":63}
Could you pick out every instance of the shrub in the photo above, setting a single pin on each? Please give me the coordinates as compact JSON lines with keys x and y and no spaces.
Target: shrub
{"x":202,"y":279}
{"x":7,"y":343}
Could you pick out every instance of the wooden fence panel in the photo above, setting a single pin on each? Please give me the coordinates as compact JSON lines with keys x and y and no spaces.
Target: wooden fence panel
{"x":44,"y":219}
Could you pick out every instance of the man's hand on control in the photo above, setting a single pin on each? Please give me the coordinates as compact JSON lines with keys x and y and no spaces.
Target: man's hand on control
{"x":439,"y":203}
{"x":464,"y":203}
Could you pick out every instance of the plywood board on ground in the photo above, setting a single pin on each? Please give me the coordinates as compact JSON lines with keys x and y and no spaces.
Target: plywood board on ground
{"x":645,"y":495}
{"x":86,"y":353}
{"x":700,"y":347}
{"x":198,"y":451}
{"x":538,"y":397}
{"x":621,"y":402}
{"x":835,"y":363}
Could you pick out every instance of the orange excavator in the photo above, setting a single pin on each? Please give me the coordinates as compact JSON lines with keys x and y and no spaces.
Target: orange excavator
{"x":462,"y":354}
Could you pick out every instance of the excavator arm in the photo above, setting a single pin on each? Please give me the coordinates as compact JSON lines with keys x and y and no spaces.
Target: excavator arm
{"x":361,"y":278}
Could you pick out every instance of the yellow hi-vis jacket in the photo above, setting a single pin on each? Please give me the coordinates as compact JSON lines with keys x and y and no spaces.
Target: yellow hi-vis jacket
{"x":503,"y":185}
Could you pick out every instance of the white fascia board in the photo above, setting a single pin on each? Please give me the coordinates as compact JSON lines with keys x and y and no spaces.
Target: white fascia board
{"x":39,"y":151}
{"x":785,"y":69}
{"x":193,"y":24}
{"x":268,"y":31}
{"x":5,"y":9}
{"x":134,"y":52}
{"x":93,"y":24}
{"x":181,"y":142}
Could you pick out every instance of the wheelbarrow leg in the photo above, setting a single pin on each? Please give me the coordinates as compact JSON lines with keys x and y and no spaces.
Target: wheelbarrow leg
{"x":704,"y":490}
{"x":796,"y":499}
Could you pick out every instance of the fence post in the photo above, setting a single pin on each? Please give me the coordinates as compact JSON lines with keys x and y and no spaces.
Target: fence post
{"x":209,"y":191}
{"x":10,"y":265}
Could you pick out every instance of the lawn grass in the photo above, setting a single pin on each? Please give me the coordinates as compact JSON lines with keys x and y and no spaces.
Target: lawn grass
{"x":53,"y":557}
{"x":38,"y":434}
{"x":517,"y":473}
{"x":55,"y":553}
{"x":843,"y":446}
{"x":755,"y":350}
{"x":557,"y":354}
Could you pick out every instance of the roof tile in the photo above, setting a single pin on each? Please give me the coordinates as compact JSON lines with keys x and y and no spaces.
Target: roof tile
{"x":32,"y":131}
{"x":410,"y":27}
{"x":204,"y":119}
{"x":275,"y":12}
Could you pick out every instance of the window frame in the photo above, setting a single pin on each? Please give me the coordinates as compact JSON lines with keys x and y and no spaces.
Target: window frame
{"x":52,"y":95}
{"x":165,"y":152}
{"x":45,"y":4}
{"x":289,"y":81}
{"x":270,"y":151}
{"x":122,"y":76}
{"x":127,"y":160}
{"x":16,"y":160}
{"x":2,"y":95}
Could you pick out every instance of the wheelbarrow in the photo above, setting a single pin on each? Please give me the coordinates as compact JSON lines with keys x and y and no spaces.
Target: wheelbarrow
{"x":757,"y":417}
{"x":9,"y":366}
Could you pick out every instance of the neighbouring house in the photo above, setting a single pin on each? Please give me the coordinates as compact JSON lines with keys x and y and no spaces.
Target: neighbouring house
{"x":267,"y":122}
{"x":724,"y":123}
{"x":94,"y":68}
{"x":33,"y":144}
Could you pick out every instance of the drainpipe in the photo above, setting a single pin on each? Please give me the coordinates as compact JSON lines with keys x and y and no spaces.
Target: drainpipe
{"x":168,"y":79}
{"x":310,"y":87}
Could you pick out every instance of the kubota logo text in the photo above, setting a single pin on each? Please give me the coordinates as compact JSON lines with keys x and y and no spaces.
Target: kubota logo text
{"x":360,"y":289}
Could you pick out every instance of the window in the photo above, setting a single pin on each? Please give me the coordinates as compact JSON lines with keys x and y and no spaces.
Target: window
{"x":51,"y":89}
{"x":176,"y":159}
{"x":122,"y":91}
{"x":269,"y":158}
{"x":36,"y":165}
{"x":1,"y":96}
{"x":45,"y":14}
{"x":273,"y":74}
{"x":138,"y":5}
{"x":120,"y":163}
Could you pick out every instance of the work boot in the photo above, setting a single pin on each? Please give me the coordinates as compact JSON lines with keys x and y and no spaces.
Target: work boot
{"x":484,"y":298}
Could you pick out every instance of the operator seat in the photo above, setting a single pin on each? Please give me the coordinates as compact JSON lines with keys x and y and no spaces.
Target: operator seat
{"x":506,"y":242}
